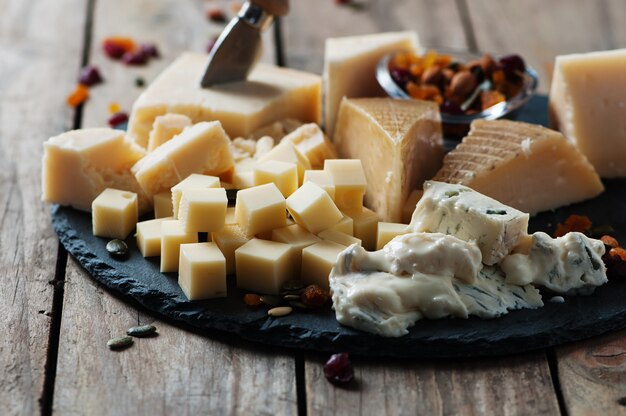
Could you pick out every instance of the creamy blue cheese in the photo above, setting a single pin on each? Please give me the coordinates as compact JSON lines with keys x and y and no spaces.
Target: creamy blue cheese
{"x":470,"y":216}
{"x":569,"y":264}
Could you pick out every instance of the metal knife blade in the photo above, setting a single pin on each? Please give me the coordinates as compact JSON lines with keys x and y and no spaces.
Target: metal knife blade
{"x":238,"y":48}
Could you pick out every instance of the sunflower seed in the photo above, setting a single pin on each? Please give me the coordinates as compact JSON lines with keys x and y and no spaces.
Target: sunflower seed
{"x":120,"y":343}
{"x":270,"y":300}
{"x":280,"y":311}
{"x":141,"y":330}
{"x":117,"y":248}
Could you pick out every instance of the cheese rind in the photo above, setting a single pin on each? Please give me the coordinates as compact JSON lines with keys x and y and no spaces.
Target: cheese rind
{"x":114,"y":213}
{"x":165,"y":127}
{"x":264,"y":266}
{"x":202,"y":271}
{"x":269,"y":94}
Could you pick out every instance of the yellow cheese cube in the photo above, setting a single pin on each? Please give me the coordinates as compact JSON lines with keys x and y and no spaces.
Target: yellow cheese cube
{"x":203,"y":209}
{"x":114,"y":213}
{"x":163,"y":205}
{"x":282,"y":174}
{"x":195,"y":180}
{"x":311,"y":207}
{"x":349,"y":180}
{"x":245,"y":165}
{"x":260,"y":208}
{"x":287,"y":152}
{"x":173,"y":234}
{"x":230,"y":216}
{"x":269,"y":94}
{"x":317,"y":261}
{"x":264,"y":266}
{"x":149,"y":236}
{"x":298,"y":238}
{"x":366,"y":227}
{"x":338,"y":237}
{"x":243,"y":180}
{"x":313,"y":143}
{"x":201,"y":148}
{"x":346,"y":226}
{"x":202,"y":271}
{"x":387,"y":231}
{"x":229,"y":239}
{"x":322,"y":179}
{"x":165,"y":127}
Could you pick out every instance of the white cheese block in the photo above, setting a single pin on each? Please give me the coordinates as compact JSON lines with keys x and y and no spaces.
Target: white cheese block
{"x":202,"y":148}
{"x":350,"y":67}
{"x":79,"y":164}
{"x":587,"y":103}
{"x":466,"y":214}
{"x":270,"y":94}
{"x":399,"y":143}
{"x":526,"y":166}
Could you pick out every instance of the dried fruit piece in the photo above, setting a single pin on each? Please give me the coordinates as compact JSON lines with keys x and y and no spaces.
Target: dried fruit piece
{"x":118,"y":119}
{"x":116,"y":46}
{"x":135,"y":58}
{"x":150,"y":50}
{"x":573,"y":223}
{"x":89,"y":76}
{"x":314,"y":296}
{"x":618,"y":251}
{"x":609,"y":241}
{"x":78,"y":96}
{"x":114,"y":108}
{"x":338,"y":369}
{"x":216,"y":15}
{"x":251,"y":299}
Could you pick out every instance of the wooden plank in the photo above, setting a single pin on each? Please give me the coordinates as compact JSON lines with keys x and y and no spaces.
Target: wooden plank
{"x":310,"y":23}
{"x":34,"y":60}
{"x":177,"y":372}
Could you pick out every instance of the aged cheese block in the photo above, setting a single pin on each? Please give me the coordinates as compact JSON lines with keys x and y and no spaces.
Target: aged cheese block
{"x":202,"y":271}
{"x":399,"y":142}
{"x":114,"y":213}
{"x":350,"y":67}
{"x":165,"y":127}
{"x":270,"y":94}
{"x":79,"y":164}
{"x":587,"y":103}
{"x":522,"y":165}
{"x":202,"y":148}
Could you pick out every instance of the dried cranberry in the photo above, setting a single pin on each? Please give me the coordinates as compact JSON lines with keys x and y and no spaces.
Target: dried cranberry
{"x":338,"y":369}
{"x":89,"y":76}
{"x":113,"y":50}
{"x":216,"y":15}
{"x":512,"y":66}
{"x":118,"y":119}
{"x":135,"y":58}
{"x":149,"y":50}
{"x":400,"y":76}
{"x":450,"y":107}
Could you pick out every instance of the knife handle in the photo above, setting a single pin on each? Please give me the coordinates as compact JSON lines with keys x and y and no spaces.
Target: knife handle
{"x":273,"y":7}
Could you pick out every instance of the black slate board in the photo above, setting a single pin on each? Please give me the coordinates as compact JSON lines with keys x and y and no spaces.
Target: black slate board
{"x":579,"y":317}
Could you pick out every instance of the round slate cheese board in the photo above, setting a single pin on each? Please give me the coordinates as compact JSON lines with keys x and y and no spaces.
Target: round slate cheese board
{"x":577,"y":318}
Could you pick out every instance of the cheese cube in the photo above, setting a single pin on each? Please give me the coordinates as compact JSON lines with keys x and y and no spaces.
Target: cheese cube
{"x":114,"y":213}
{"x":587,"y":104}
{"x":78,"y":165}
{"x":387,"y":231}
{"x":163,"y":205}
{"x":317,"y":261}
{"x":298,"y":238}
{"x":346,"y":226}
{"x":269,"y":94}
{"x":261,"y":208}
{"x":243,"y":180}
{"x":311,"y":207}
{"x":365,"y":227}
{"x":349,"y":180}
{"x":192,"y":181}
{"x":230,"y":216}
{"x":165,"y":127}
{"x":245,"y":165}
{"x":322,"y":179}
{"x":202,"y":271}
{"x":409,"y":205}
{"x":470,"y":216}
{"x":282,"y":174}
{"x":229,"y":239}
{"x":173,"y":234}
{"x":338,"y":237}
{"x":350,"y":67}
{"x":149,"y":236}
{"x":311,"y":141}
{"x":264,"y":266}
{"x":408,"y":143}
{"x":202,"y":148}
{"x":287,"y":152}
{"x":203,"y":209}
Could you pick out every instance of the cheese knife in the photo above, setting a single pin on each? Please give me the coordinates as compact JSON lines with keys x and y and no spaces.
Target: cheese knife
{"x":238,"y":47}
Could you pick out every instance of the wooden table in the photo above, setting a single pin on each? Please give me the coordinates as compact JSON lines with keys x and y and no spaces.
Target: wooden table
{"x":55,"y":320}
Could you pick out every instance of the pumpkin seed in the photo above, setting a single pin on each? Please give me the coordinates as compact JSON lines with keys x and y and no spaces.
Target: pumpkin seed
{"x":120,"y":343}
{"x":117,"y":248}
{"x":270,"y":300}
{"x":141,"y":330}
{"x":280,"y":311}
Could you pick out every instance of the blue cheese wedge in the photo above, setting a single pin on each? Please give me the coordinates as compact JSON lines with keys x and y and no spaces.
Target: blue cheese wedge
{"x":470,"y":216}
{"x":569,"y":264}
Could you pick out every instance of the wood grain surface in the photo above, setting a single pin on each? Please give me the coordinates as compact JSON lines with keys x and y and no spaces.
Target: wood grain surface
{"x":34,"y":80}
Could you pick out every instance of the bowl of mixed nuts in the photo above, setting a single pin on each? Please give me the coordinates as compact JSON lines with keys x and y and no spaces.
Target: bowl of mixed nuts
{"x":466,"y":86}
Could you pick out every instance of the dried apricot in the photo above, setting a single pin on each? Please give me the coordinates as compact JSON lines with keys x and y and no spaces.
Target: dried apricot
{"x":573,"y":223}
{"x":78,"y":96}
{"x":251,"y":299}
{"x":618,"y":251}
{"x":314,"y":296}
{"x":609,"y":241}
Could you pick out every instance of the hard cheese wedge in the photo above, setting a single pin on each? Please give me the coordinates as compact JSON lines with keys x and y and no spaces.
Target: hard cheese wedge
{"x":350,"y":67}
{"x":522,"y":165}
{"x":399,"y":143}
{"x":79,"y":164}
{"x":587,"y":104}
{"x":269,"y":94}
